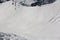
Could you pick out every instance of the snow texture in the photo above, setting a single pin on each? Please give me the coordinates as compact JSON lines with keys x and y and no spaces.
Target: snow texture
{"x":34,"y":23}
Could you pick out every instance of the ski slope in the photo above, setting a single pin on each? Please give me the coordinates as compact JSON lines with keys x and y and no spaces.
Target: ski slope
{"x":34,"y":23}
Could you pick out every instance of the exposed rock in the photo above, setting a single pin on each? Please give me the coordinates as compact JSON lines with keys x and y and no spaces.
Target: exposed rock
{"x":37,"y":2}
{"x":6,"y":36}
{"x":2,"y":1}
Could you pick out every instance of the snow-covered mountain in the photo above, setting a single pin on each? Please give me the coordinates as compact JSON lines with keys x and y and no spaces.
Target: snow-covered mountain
{"x":35,"y":23}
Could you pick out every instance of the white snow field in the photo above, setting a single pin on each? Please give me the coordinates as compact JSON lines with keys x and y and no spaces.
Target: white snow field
{"x":33,"y":23}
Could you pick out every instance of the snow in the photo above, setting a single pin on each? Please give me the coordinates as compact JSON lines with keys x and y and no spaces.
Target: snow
{"x":31,"y":22}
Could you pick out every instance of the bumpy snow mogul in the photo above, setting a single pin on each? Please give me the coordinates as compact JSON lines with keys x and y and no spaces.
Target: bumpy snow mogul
{"x":36,"y":2}
{"x":5,"y":36}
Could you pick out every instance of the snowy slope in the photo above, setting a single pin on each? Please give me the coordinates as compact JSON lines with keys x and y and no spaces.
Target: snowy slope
{"x":32,"y":22}
{"x":5,"y":10}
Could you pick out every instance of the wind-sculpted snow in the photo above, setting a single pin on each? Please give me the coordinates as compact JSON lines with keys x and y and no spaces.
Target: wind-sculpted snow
{"x":6,"y":36}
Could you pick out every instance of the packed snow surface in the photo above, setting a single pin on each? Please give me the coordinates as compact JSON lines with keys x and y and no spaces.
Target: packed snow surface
{"x":34,"y":23}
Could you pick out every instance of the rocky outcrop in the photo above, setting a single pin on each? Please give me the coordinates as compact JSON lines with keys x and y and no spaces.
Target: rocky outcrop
{"x":2,"y":1}
{"x":37,"y":2}
{"x":6,"y":36}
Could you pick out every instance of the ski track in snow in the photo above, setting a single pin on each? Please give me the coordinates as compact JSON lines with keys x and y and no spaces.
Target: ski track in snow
{"x":34,"y":23}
